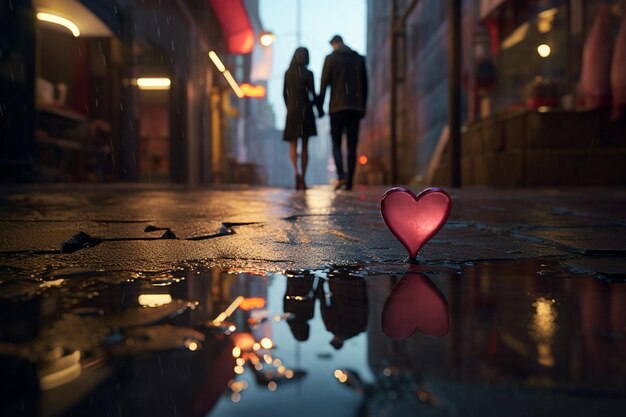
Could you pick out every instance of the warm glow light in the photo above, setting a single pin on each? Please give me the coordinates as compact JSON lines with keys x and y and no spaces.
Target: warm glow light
{"x":60,"y":371}
{"x":544,"y":320}
{"x":191,"y":345}
{"x":241,"y":361}
{"x":253,"y":91}
{"x":267,"y":343}
{"x":232,"y":328}
{"x":543,"y":329}
{"x":544,"y":355}
{"x":243,"y":341}
{"x":362,"y":160}
{"x":229,"y":77}
{"x":233,"y":83}
{"x":253,"y":302}
{"x":545,"y":20}
{"x":341,"y":375}
{"x":217,"y":61}
{"x":61,"y":21}
{"x":153,"y":83}
{"x":544,"y":50}
{"x":543,"y":109}
{"x":516,"y":36}
{"x":153,"y":300}
{"x":267,"y":38}
{"x":239,"y":370}
{"x":236,"y":352}
{"x":272,"y":386}
{"x":237,"y":386}
{"x":229,"y":310}
{"x":53,"y":283}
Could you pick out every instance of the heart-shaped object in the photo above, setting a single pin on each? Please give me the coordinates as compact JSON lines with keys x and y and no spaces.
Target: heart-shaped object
{"x":415,"y":219}
{"x":415,"y":303}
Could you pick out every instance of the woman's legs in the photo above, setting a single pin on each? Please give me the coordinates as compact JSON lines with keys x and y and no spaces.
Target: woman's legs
{"x":304,"y":160}
{"x":304,"y":155}
{"x":293,"y":155}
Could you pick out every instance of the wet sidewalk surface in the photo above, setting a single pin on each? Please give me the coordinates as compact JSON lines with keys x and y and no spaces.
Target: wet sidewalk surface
{"x":272,"y":302}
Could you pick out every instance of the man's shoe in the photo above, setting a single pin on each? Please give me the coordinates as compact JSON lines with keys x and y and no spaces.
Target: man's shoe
{"x":341,"y":184}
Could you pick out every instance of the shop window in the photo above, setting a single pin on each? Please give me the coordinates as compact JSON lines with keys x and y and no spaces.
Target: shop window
{"x":537,"y":50}
{"x":532,"y":64}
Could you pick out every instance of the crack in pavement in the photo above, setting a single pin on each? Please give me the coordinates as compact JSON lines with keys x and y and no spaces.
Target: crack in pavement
{"x":295,"y":217}
{"x":82,"y":240}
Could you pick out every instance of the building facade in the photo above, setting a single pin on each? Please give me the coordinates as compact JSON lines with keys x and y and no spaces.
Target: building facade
{"x":529,"y":69}
{"x":76,"y":106}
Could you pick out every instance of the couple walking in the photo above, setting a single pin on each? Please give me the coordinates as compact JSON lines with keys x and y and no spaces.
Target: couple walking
{"x":344,"y":72}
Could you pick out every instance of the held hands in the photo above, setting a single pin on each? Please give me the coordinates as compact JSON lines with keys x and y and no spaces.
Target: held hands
{"x":320,"y":107}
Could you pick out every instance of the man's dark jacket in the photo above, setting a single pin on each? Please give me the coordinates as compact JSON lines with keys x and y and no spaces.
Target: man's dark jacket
{"x":344,"y":71}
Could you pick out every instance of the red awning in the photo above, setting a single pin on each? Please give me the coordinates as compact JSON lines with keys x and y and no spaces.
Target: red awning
{"x":236,"y":26}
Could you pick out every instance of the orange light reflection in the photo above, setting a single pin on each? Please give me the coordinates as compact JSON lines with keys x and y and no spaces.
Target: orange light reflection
{"x":253,"y":302}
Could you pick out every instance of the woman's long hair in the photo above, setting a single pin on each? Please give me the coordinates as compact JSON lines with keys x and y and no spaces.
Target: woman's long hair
{"x":300,"y":57}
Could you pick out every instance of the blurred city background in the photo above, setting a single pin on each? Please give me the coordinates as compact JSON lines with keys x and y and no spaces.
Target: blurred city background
{"x":143,"y":283}
{"x":190,"y":91}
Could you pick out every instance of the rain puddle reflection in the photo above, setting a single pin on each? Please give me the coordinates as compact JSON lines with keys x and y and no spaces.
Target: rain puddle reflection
{"x":494,"y":338}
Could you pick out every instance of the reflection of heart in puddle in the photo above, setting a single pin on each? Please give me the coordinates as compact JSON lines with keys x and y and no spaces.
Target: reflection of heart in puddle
{"x":415,"y":303}
{"x":415,"y":219}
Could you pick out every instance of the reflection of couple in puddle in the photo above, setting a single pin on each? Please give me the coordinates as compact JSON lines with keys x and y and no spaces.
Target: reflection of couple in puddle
{"x":414,"y":304}
{"x":343,"y":304}
{"x":399,"y":307}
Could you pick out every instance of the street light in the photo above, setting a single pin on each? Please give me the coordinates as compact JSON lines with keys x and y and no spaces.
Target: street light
{"x":267,"y":38}
{"x":544,"y":50}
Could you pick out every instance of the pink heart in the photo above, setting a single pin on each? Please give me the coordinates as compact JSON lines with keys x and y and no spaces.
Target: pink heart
{"x":415,"y":219}
{"x":415,"y":303}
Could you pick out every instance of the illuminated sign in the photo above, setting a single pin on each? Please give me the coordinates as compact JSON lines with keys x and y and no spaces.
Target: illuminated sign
{"x":253,"y":91}
{"x":252,"y":303}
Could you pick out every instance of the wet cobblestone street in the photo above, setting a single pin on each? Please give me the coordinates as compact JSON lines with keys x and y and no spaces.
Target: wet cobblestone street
{"x":271,"y":302}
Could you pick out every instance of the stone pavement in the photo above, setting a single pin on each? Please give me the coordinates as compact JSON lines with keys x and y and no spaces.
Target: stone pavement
{"x":583,"y":230}
{"x":527,"y":330}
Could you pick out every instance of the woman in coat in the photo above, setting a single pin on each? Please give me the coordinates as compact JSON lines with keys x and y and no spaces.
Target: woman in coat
{"x":299,"y":95}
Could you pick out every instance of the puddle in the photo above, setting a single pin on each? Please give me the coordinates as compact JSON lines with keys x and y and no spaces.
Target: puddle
{"x":503,"y":338}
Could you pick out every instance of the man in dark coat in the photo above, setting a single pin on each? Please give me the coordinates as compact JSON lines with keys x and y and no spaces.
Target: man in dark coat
{"x":344,"y":71}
